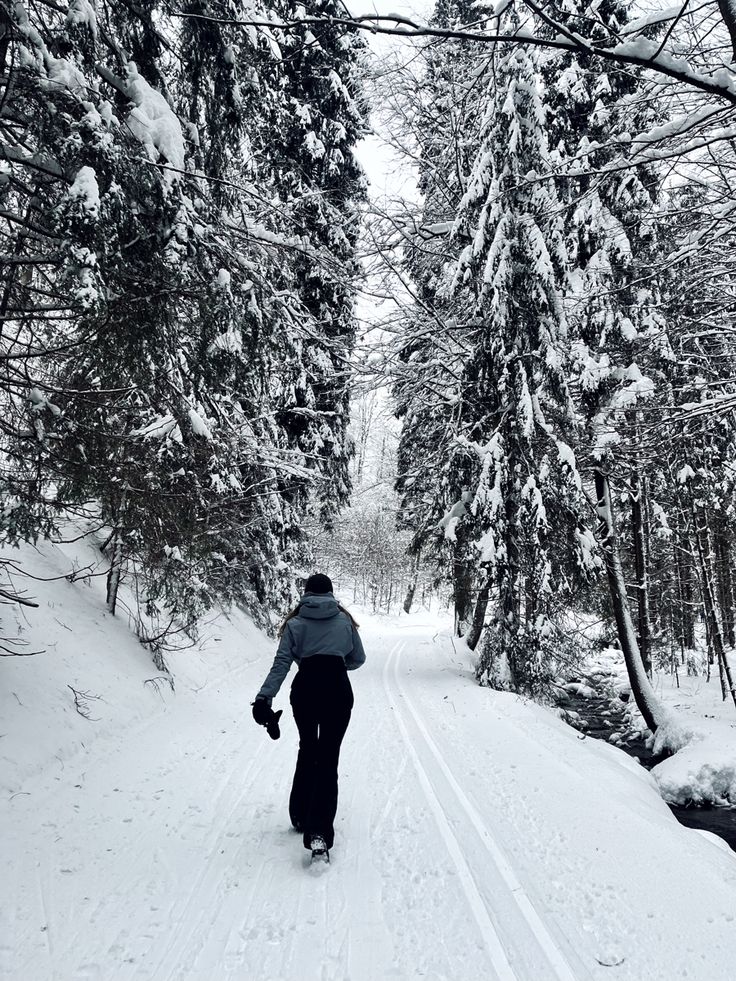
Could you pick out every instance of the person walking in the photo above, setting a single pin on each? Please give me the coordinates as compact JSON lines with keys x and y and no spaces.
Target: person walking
{"x":322,"y":638}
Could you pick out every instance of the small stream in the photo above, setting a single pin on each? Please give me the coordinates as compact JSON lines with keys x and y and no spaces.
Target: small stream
{"x":602,"y":717}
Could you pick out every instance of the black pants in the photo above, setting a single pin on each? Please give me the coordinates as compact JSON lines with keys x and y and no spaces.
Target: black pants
{"x":322,"y":700}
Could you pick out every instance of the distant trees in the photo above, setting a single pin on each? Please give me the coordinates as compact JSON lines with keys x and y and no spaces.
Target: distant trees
{"x":443,"y":113}
{"x":365,"y":555}
{"x":363,"y":550}
{"x":178,"y":217}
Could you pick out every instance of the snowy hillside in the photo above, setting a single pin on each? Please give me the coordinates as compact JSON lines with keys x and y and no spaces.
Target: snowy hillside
{"x":477,"y":835}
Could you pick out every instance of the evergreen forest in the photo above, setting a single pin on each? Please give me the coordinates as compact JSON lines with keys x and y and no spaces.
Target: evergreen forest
{"x":189,"y":245}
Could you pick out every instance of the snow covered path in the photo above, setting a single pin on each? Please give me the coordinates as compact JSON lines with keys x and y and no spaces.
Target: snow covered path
{"x":500,"y":905}
{"x":472,"y":841}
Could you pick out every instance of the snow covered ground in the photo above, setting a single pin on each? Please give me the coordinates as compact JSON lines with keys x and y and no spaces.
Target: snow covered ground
{"x":704,"y":771}
{"x":478,"y":836}
{"x":701,"y":730}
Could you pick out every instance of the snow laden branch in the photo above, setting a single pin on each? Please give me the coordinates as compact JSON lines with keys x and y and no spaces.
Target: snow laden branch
{"x":638,"y":51}
{"x":180,"y":231}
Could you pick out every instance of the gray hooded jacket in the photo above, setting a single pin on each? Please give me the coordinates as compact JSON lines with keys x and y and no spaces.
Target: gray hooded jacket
{"x":319,"y":628}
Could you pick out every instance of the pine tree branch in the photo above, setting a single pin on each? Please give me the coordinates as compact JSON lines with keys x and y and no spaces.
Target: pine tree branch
{"x":30,"y":260}
{"x":623,"y":54}
{"x":33,"y":161}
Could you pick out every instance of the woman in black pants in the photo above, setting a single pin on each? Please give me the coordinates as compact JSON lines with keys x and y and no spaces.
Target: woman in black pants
{"x":323,"y":639}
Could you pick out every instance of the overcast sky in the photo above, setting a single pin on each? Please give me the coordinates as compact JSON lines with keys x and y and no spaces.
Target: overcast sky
{"x":389,"y":177}
{"x":380,"y":164}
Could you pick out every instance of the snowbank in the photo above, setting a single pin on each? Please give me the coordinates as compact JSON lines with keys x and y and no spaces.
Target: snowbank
{"x":703,"y":767}
{"x":702,"y":773}
{"x":699,"y":734}
{"x":91,"y":679}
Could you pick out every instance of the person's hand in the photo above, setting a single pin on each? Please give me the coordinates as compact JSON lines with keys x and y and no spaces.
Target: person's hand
{"x":264,"y":715}
{"x":262,"y":711}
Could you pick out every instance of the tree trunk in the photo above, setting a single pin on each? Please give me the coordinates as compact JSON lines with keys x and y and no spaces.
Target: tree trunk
{"x":409,"y":597}
{"x":5,"y":38}
{"x":462,"y":583}
{"x":114,"y":574}
{"x":638,"y":503}
{"x":688,"y":594}
{"x":510,"y":590}
{"x":702,"y":539}
{"x":479,"y":615}
{"x":412,"y":587}
{"x":115,"y":544}
{"x":685,"y":621}
{"x":678,"y":625}
{"x":729,"y":19}
{"x":725,"y":581}
{"x":729,"y":678}
{"x":647,"y":703}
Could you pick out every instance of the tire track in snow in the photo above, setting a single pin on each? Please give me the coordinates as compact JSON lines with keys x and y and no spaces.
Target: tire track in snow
{"x":491,"y":939}
{"x":559,"y":967}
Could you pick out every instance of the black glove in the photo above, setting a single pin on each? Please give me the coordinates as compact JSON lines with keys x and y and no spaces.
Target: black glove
{"x":265,"y":716}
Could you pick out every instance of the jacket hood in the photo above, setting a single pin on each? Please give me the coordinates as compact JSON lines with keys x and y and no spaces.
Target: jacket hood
{"x":318,"y":606}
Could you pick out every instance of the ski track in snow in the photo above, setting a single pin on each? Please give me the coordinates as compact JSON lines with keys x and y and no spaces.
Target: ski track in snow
{"x":502,"y":969}
{"x":165,"y":853}
{"x":538,"y":955}
{"x":169,"y":857}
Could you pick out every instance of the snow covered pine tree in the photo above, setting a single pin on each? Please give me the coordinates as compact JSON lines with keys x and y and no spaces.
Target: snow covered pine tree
{"x":527,"y":508}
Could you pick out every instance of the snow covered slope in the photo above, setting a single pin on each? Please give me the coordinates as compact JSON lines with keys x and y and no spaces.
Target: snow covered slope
{"x":477,"y":835}
{"x":86,"y":649}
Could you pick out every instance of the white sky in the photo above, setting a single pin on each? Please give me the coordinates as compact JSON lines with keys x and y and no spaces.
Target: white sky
{"x":387,"y":173}
{"x":379,"y":162}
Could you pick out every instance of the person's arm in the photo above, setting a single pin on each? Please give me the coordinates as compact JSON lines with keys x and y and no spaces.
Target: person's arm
{"x":357,"y":656}
{"x":280,"y":668}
